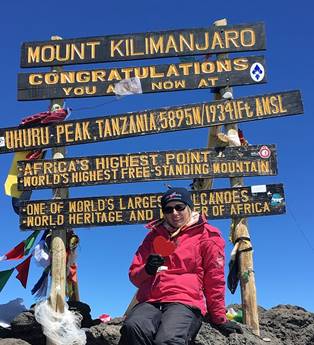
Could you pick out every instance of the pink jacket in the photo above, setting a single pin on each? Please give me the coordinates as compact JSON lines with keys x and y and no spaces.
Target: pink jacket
{"x":195,"y":274}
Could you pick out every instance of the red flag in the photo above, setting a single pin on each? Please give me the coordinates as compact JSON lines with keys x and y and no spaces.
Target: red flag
{"x":16,"y":253}
{"x":72,"y":273}
{"x":23,"y":269}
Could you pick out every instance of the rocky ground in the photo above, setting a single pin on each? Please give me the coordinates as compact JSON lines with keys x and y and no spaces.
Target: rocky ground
{"x":281,"y":325}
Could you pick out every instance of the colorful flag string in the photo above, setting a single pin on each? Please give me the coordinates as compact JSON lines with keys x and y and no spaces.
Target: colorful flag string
{"x":20,"y":251}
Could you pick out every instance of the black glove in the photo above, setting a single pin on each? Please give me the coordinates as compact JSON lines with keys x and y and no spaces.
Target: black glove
{"x":228,"y":328}
{"x":153,"y":262}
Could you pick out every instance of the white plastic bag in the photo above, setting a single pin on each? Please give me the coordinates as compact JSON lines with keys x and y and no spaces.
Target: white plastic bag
{"x":61,"y":329}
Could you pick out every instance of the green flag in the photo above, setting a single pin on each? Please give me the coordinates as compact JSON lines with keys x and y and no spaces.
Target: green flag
{"x":29,"y":242}
{"x":4,"y":277}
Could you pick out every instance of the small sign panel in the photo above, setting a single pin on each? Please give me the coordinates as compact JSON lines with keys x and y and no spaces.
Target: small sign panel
{"x":143,"y":208}
{"x":154,"y":121}
{"x":148,"y":45}
{"x":146,"y":166}
{"x":152,"y":79}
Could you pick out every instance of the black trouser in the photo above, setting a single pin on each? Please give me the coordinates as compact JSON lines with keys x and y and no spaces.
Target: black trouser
{"x":160,"y":324}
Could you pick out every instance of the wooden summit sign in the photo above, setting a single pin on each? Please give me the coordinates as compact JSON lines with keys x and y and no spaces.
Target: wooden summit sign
{"x":167,"y":119}
{"x":251,"y":201}
{"x":235,"y":38}
{"x":142,"y":79}
{"x":257,"y":160}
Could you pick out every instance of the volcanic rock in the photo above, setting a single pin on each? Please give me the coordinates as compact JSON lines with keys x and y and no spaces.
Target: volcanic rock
{"x":280,"y":325}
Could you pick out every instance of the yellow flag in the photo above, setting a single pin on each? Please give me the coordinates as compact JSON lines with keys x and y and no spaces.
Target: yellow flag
{"x":10,"y":185}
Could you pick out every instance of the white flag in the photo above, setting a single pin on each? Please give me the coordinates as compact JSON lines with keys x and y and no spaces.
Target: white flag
{"x":41,"y":255}
{"x":128,"y":87}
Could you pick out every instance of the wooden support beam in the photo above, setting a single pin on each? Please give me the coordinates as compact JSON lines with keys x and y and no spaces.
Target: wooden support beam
{"x":58,"y":236}
{"x":239,"y":227}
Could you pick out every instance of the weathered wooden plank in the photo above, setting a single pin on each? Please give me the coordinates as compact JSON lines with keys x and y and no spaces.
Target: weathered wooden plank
{"x":154,"y":121}
{"x":259,"y":160}
{"x":141,"y":208}
{"x":181,"y":42}
{"x":151,"y":121}
{"x":148,"y":79}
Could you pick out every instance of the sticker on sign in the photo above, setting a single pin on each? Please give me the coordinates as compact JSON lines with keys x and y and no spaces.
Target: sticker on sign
{"x":2,"y":141}
{"x":264,"y":152}
{"x":257,"y":72}
{"x":258,"y":189}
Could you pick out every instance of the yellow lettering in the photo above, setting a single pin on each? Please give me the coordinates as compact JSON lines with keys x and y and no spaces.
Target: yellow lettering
{"x":241,"y":64}
{"x":156,"y":47}
{"x":51,"y":53}
{"x":93,"y":48}
{"x":33,"y":55}
{"x":217,"y":41}
{"x":231,"y":36}
{"x":132,"y":49}
{"x":35,"y":79}
{"x":247,"y":37}
{"x":115,"y":47}
{"x":183,"y":42}
{"x":206,"y":43}
{"x":171,"y":44}
{"x":114,"y":75}
{"x":172,"y":70}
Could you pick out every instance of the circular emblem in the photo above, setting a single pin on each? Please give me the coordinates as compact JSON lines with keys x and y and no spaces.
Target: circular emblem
{"x":257,"y":72}
{"x":264,"y":152}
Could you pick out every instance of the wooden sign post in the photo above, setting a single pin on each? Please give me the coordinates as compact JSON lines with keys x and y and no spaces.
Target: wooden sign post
{"x":239,"y":229}
{"x":58,"y":240}
{"x":58,"y":237}
{"x":58,"y":244}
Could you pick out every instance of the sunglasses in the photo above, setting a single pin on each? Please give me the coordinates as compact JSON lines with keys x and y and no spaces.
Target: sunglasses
{"x":178,"y":207}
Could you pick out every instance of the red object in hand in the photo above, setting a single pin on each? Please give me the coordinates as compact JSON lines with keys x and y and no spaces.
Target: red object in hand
{"x":162,"y":246}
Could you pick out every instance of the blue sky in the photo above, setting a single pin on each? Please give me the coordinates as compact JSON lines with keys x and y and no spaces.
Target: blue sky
{"x":283,"y":245}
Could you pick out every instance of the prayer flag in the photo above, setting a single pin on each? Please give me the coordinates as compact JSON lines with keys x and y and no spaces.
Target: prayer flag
{"x":23,"y":269}
{"x":4,"y":277}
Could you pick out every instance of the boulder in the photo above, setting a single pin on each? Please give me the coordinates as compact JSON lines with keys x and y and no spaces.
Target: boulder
{"x":84,"y":310}
{"x":25,"y":327}
{"x":280,"y":325}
